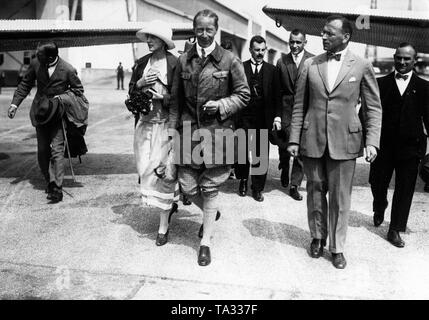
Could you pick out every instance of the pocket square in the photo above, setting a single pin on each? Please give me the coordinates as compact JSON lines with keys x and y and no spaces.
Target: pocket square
{"x":352,"y":79}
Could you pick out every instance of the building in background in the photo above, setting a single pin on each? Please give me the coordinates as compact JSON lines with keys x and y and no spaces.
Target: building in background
{"x":98,"y":62}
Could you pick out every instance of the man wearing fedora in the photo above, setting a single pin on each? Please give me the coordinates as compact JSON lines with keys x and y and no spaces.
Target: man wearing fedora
{"x":54,"y":76}
{"x":290,"y":67}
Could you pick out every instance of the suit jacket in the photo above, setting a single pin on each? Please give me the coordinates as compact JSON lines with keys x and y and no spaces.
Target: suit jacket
{"x":288,"y":76}
{"x":322,"y":119}
{"x":220,"y":79}
{"x":271,"y":90}
{"x":64,"y":78}
{"x":407,"y":140}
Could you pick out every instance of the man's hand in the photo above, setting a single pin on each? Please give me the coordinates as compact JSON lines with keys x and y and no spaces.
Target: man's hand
{"x":370,"y":153}
{"x":277,"y":125}
{"x":211,"y":107}
{"x":12,"y":111}
{"x":293,"y":149}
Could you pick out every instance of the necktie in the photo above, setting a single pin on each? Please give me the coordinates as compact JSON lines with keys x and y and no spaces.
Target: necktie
{"x":401,"y":76}
{"x":203,"y":56}
{"x":295,"y":59}
{"x":336,"y":56}
{"x":256,"y":67}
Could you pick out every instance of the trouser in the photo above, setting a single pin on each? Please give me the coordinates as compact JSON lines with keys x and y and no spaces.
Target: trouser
{"x":50,"y":152}
{"x":297,"y":169}
{"x":242,"y":170}
{"x":336,"y":176}
{"x":121,"y":81}
{"x":405,"y":181}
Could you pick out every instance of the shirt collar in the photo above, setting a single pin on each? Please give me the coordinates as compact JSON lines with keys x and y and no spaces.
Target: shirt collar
{"x":298,"y":56}
{"x":207,"y":50}
{"x":255,"y":63}
{"x":53,"y":64}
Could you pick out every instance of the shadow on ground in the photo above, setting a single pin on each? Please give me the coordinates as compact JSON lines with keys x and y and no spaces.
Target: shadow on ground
{"x":145,"y":221}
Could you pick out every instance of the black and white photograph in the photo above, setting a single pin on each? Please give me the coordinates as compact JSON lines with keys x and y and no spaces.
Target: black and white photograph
{"x":214,"y":154}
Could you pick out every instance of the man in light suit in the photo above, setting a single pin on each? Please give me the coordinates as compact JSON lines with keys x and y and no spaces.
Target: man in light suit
{"x":405,"y":102}
{"x":290,"y":67}
{"x":54,"y":76}
{"x":326,"y":129}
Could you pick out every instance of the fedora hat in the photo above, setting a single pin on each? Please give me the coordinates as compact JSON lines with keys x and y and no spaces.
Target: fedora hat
{"x":158,"y":29}
{"x":48,"y":110}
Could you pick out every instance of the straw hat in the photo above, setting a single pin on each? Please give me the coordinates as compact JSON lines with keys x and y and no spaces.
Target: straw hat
{"x":158,"y":29}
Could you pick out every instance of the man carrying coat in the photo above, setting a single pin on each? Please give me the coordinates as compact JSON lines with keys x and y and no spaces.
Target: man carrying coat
{"x":290,"y":67}
{"x":54,"y":77}
{"x":405,"y":102}
{"x":326,"y":129}
{"x":264,"y":106}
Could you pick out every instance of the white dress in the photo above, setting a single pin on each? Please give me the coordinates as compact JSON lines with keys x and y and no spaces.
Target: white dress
{"x":151,"y":147}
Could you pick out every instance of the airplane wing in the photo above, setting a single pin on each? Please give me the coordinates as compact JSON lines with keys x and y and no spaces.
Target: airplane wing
{"x":17,"y":35}
{"x":374,"y":27}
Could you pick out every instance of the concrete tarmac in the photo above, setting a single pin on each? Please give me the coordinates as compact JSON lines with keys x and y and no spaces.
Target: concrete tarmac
{"x":99,"y":242}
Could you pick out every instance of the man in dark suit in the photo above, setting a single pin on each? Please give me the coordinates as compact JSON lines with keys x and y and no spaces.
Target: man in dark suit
{"x":264,"y":106}
{"x":120,"y":76}
{"x":405,"y":103}
{"x":290,"y":67}
{"x":54,"y":76}
{"x":326,"y":129}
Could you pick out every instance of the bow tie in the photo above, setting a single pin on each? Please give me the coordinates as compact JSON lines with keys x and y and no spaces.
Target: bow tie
{"x":336,"y":56}
{"x":401,"y":76}
{"x":256,"y":64}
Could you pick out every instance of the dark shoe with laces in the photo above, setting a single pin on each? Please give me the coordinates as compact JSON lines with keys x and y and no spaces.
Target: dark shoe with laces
{"x":394,"y":238}
{"x":49,"y":189}
{"x":257,"y":195}
{"x":204,"y":257}
{"x":339,"y":261}
{"x":378,"y":218}
{"x":316,"y":248}
{"x":294,"y":193}
{"x":201,"y":231}
{"x":56,"y":195}
{"x":242,"y":189}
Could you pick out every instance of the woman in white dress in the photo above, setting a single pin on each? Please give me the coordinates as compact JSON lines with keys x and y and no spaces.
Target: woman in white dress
{"x":153,"y":74}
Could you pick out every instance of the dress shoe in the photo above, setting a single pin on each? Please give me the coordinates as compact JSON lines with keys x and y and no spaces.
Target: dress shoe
{"x":242,"y":189}
{"x":426,"y":187}
{"x":186,"y":201}
{"x":162,"y":238}
{"x":378,"y":218}
{"x":339,"y":261}
{"x":316,"y":247}
{"x":56,"y":195}
{"x":394,"y":238}
{"x":204,"y":258}
{"x":257,"y":195}
{"x":49,"y":188}
{"x":201,"y":231}
{"x":284,"y":178}
{"x":294,"y":193}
